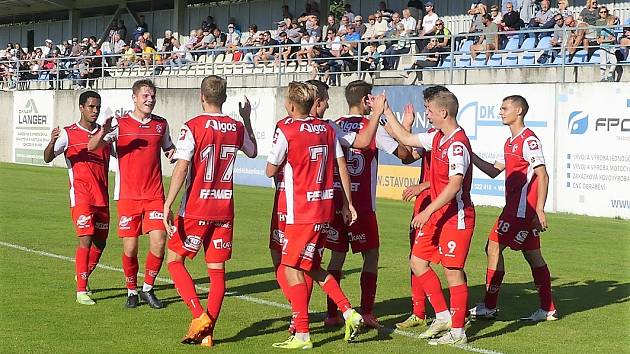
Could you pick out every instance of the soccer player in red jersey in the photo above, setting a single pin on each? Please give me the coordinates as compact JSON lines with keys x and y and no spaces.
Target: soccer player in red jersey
{"x":361,"y":138}
{"x":137,"y":139}
{"x":422,"y":197}
{"x":308,"y":147}
{"x":448,"y":221}
{"x":523,"y":217}
{"x":89,"y":199}
{"x":206,"y":152}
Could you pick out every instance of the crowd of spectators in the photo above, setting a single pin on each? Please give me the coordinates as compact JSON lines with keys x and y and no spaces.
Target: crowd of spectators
{"x":332,"y":48}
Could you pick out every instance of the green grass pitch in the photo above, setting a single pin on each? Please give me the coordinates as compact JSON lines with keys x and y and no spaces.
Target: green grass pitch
{"x":588,"y":258}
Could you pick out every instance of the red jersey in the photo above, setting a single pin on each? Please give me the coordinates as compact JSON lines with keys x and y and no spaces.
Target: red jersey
{"x":137,"y":145}
{"x":522,"y":154}
{"x":279,"y":199}
{"x":450,"y":156}
{"x":210,"y":142}
{"x":87,"y":170}
{"x":308,"y":147}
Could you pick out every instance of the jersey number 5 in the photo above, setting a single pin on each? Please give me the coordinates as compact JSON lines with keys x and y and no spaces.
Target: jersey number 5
{"x":228,"y":152}
{"x":355,"y":162}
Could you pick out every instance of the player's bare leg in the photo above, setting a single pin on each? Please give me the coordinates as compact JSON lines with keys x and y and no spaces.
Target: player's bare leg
{"x":216,"y":273}
{"x":456,"y":278}
{"x":494,"y":277}
{"x":130,"y":268}
{"x":157,"y":241}
{"x":201,"y":322}
{"x":428,"y":282}
{"x":368,"y":286}
{"x":82,"y":270}
{"x":337,"y":259}
{"x":542,"y":279}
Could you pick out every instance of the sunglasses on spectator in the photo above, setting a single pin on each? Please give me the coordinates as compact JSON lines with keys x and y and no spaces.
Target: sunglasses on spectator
{"x":603,"y":12}
{"x":377,"y":16}
{"x":439,"y":24}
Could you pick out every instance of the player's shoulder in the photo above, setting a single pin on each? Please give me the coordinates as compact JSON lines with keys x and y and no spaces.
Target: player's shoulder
{"x":157,"y":118}
{"x":529,"y":134}
{"x":460,"y":136}
{"x":71,"y":127}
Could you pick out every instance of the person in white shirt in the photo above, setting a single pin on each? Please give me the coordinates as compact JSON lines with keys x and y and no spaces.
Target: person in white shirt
{"x":428,"y":25}
{"x":408,"y":22}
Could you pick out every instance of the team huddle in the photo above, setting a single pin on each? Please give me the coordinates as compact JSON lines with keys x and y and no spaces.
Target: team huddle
{"x":325,"y":175}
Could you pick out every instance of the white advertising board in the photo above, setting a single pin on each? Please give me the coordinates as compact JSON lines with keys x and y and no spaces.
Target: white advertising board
{"x":263,"y":114}
{"x":479,"y":107}
{"x":33,"y":115}
{"x":594,"y":149}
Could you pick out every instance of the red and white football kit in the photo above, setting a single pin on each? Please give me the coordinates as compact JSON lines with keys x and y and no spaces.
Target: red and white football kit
{"x":139,"y":189}
{"x":424,"y":198}
{"x":454,"y":222}
{"x":210,"y":143}
{"x":516,"y":226}
{"x":362,"y":167}
{"x":87,"y":172}
{"x":309,"y":148}
{"x":279,"y":212}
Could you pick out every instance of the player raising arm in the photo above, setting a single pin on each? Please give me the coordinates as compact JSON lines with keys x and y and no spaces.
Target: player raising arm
{"x":206,"y":152}
{"x":523,"y":217}
{"x":89,"y":199}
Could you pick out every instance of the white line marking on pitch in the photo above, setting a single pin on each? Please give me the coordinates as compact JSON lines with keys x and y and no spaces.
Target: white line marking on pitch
{"x":232,"y":294}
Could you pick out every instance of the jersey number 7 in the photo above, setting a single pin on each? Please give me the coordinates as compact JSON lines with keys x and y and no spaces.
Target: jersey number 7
{"x":228,"y":152}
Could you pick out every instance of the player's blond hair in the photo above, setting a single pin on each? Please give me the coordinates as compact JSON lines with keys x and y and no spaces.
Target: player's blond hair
{"x":302,"y":95}
{"x":214,"y":89}
{"x":446,"y":100}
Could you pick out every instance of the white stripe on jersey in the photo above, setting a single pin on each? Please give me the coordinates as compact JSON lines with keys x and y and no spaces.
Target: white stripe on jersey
{"x":522,"y":202}
{"x":288,"y":192}
{"x":117,"y":178}
{"x":461,"y":224}
{"x":71,"y":177}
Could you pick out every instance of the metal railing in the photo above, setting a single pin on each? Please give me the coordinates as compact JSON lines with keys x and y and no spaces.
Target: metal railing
{"x":17,"y":74}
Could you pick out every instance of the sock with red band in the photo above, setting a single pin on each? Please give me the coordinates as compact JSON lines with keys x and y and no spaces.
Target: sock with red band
{"x":334,"y":292}
{"x":542,"y":279}
{"x":185,"y":287}
{"x":459,"y":304}
{"x":81,"y":267}
{"x":494,"y":278}
{"x":152,"y":268}
{"x":418,"y":297}
{"x":130,"y":268}
{"x":217,"y":292}
{"x":330,"y":304}
{"x":368,"y":291}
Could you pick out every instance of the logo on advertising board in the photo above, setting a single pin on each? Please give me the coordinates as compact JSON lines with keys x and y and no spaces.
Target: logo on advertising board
{"x":30,"y":115}
{"x":476,"y":114}
{"x":578,"y":122}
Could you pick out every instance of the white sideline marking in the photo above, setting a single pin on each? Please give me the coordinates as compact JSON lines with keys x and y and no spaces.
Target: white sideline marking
{"x":232,"y":294}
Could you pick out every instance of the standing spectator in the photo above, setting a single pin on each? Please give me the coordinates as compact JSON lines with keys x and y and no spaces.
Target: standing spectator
{"x":137,"y":33}
{"x":385,"y":11}
{"x":348,"y":12}
{"x":527,"y":10}
{"x":409,"y":22}
{"x":360,"y":27}
{"x":380,"y":26}
{"x":427,"y":26}
{"x":122,"y":30}
{"x":269,"y":53}
{"x":286,"y":14}
{"x":417,"y":9}
{"x":143,"y":24}
{"x":606,"y":41}
{"x":391,"y":56}
{"x":488,"y":41}
{"x":589,"y":14}
{"x":563,"y":8}
{"x":477,"y":10}
{"x":208,"y":25}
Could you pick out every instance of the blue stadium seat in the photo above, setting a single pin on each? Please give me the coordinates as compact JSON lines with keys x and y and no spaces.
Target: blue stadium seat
{"x":446,"y":62}
{"x":528,"y":56}
{"x":466,"y":46}
{"x":596,"y":57}
{"x":495,"y":60}
{"x":512,"y":44}
{"x":510,"y":60}
{"x":480,"y":60}
{"x":463,"y":61}
{"x":544,"y":43}
{"x":529,"y":43}
{"x":579,"y":57}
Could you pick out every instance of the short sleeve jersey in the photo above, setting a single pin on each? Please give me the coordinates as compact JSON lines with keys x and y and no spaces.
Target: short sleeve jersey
{"x":87,"y":170}
{"x":308,"y":147}
{"x":138,"y":145}
{"x":210,"y":142}
{"x":521,"y":155}
{"x":362,"y":164}
{"x":450,"y":156}
{"x":279,"y":200}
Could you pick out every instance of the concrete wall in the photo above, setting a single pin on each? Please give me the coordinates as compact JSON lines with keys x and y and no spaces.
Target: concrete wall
{"x":6,"y":121}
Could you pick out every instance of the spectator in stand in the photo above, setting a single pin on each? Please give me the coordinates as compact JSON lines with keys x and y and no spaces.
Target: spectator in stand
{"x":370,"y":28}
{"x":142,"y":23}
{"x":497,"y":16}
{"x":430,"y":59}
{"x":286,"y":49}
{"x":416,"y":7}
{"x":251,"y":38}
{"x":122,"y":29}
{"x":624,"y":42}
{"x":168,"y":34}
{"x":137,"y":33}
{"x":219,"y":40}
{"x":380,"y":26}
{"x":55,"y":71}
{"x":282,"y":27}
{"x":428,"y":25}
{"x":488,"y":41}
{"x":409,"y":22}
{"x":180,"y":57}
{"x":208,"y":25}
{"x":76,"y":47}
{"x":348,"y":12}
{"x":351,"y":38}
{"x":563,"y":8}
{"x":589,"y":14}
{"x":331,"y":24}
{"x":360,"y":27}
{"x":385,"y":11}
{"x":391,"y":55}
{"x":232,"y":39}
{"x":393,"y":25}
{"x":606,"y":41}
{"x":265,"y":55}
{"x":48,"y":46}
{"x":527,"y":11}
{"x":149,"y":56}
{"x":84,"y":74}
{"x":198,"y":42}
{"x":66,"y":48}
{"x":343,"y":24}
{"x":315,"y":31}
{"x":128,"y":57}
{"x":542,"y":20}
{"x":511,"y":19}
{"x":112,"y":29}
{"x":477,"y":10}
{"x":333,"y":43}
{"x":293,"y":31}
{"x":148,"y":40}
{"x":443,"y":36}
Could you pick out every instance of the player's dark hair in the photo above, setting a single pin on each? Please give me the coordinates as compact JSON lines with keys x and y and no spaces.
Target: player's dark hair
{"x":88,"y":94}
{"x":431,"y":91}
{"x":322,"y":88}
{"x":356,"y":91}
{"x":519,"y":101}
{"x":213,"y":89}
{"x":446,"y":100}
{"x":143,"y":83}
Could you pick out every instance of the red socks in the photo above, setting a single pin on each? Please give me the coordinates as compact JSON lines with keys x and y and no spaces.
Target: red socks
{"x":309,"y":286}
{"x":217,"y":292}
{"x":459,"y":304}
{"x":130,"y":268}
{"x":299,"y":306}
{"x":93,"y":258}
{"x":418,"y":297}
{"x":185,"y":287}
{"x":542,"y":279}
{"x":282,"y":281}
{"x":368,"y":291}
{"x":494,"y":278}
{"x":430,"y":283}
{"x":331,"y":305}
{"x":81,"y":267}
{"x":152,"y":268}
{"x":332,"y":289}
